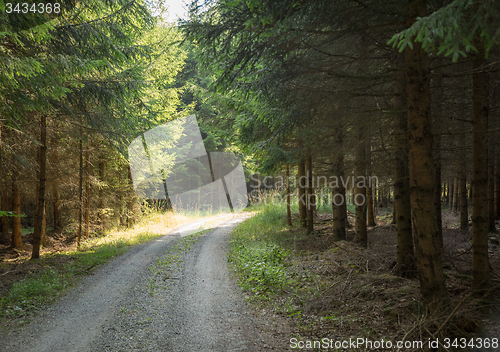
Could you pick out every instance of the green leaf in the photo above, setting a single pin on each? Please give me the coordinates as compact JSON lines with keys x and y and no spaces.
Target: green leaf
{"x":428,"y":43}
{"x":11,"y":213}
{"x":403,"y":46}
{"x":440,"y":33}
{"x":2,"y":5}
{"x":420,"y":36}
{"x":393,"y":40}
{"x":441,"y":49}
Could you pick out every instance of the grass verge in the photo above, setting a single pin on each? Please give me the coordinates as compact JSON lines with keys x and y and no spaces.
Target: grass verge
{"x":265,"y":256}
{"x":257,"y":255}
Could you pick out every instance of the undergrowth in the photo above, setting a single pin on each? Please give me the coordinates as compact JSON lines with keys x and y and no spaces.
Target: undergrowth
{"x":263,"y":255}
{"x":257,"y":255}
{"x":334,"y":288}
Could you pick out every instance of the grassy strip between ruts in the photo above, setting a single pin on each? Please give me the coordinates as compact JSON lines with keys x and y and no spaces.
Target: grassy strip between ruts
{"x":53,"y":273}
{"x":165,"y":266}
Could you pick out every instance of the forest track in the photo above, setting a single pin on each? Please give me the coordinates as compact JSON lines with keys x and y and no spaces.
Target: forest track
{"x":115,"y":309}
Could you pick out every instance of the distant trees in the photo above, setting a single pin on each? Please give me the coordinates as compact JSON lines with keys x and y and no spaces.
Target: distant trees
{"x":324,"y":77}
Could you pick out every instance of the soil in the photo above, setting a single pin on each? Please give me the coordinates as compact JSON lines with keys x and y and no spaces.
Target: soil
{"x":353,"y":291}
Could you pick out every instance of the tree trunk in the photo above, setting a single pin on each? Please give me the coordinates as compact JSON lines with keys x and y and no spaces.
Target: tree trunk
{"x":456,"y":197}
{"x":446,"y":191}
{"x":44,"y":226}
{"x":3,"y":194}
{"x":102,"y":216}
{"x":56,"y":198}
{"x":131,"y":200}
{"x":302,"y":191}
{"x":310,"y":193}
{"x":480,"y":260}
{"x":497,"y":184}
{"x":80,"y":196}
{"x":437,"y":199}
{"x":406,"y":265}
{"x":43,"y":234}
{"x":87,"y":192}
{"x":288,"y":210}
{"x":339,"y":200}
{"x":369,"y":201}
{"x":394,"y":213}
{"x":491,"y":186}
{"x":17,"y":241}
{"x":383,"y":197}
{"x":40,"y":209}
{"x":4,"y":206}
{"x":360,"y":236}
{"x":464,"y":216}
{"x":422,"y":173}
{"x":122,"y":202}
{"x":339,"y":213}
{"x":450,"y":194}
{"x":57,"y":207}
{"x":369,"y":196}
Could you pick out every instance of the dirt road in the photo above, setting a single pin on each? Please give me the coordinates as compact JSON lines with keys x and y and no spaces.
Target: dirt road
{"x":123,"y":306}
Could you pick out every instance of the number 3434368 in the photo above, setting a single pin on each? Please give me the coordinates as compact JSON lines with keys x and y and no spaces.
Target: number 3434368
{"x":32,"y":8}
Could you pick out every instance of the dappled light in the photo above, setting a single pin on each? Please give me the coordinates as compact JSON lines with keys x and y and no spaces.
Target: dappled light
{"x":249,"y":175}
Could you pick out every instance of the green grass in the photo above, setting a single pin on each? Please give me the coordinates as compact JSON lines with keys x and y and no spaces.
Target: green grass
{"x":59,"y":271}
{"x":264,"y":256}
{"x":257,"y":255}
{"x":164,"y":266}
{"x":278,"y":200}
{"x":33,"y":292}
{"x":27,"y":230}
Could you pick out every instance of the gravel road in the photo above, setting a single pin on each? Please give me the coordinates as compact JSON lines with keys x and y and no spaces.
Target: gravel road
{"x":135,"y":304}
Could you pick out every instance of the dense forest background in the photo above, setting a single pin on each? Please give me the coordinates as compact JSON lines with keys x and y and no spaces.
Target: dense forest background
{"x":404,"y":91}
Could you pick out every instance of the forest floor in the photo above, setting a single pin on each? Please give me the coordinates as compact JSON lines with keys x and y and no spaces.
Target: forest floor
{"x":340,"y":291}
